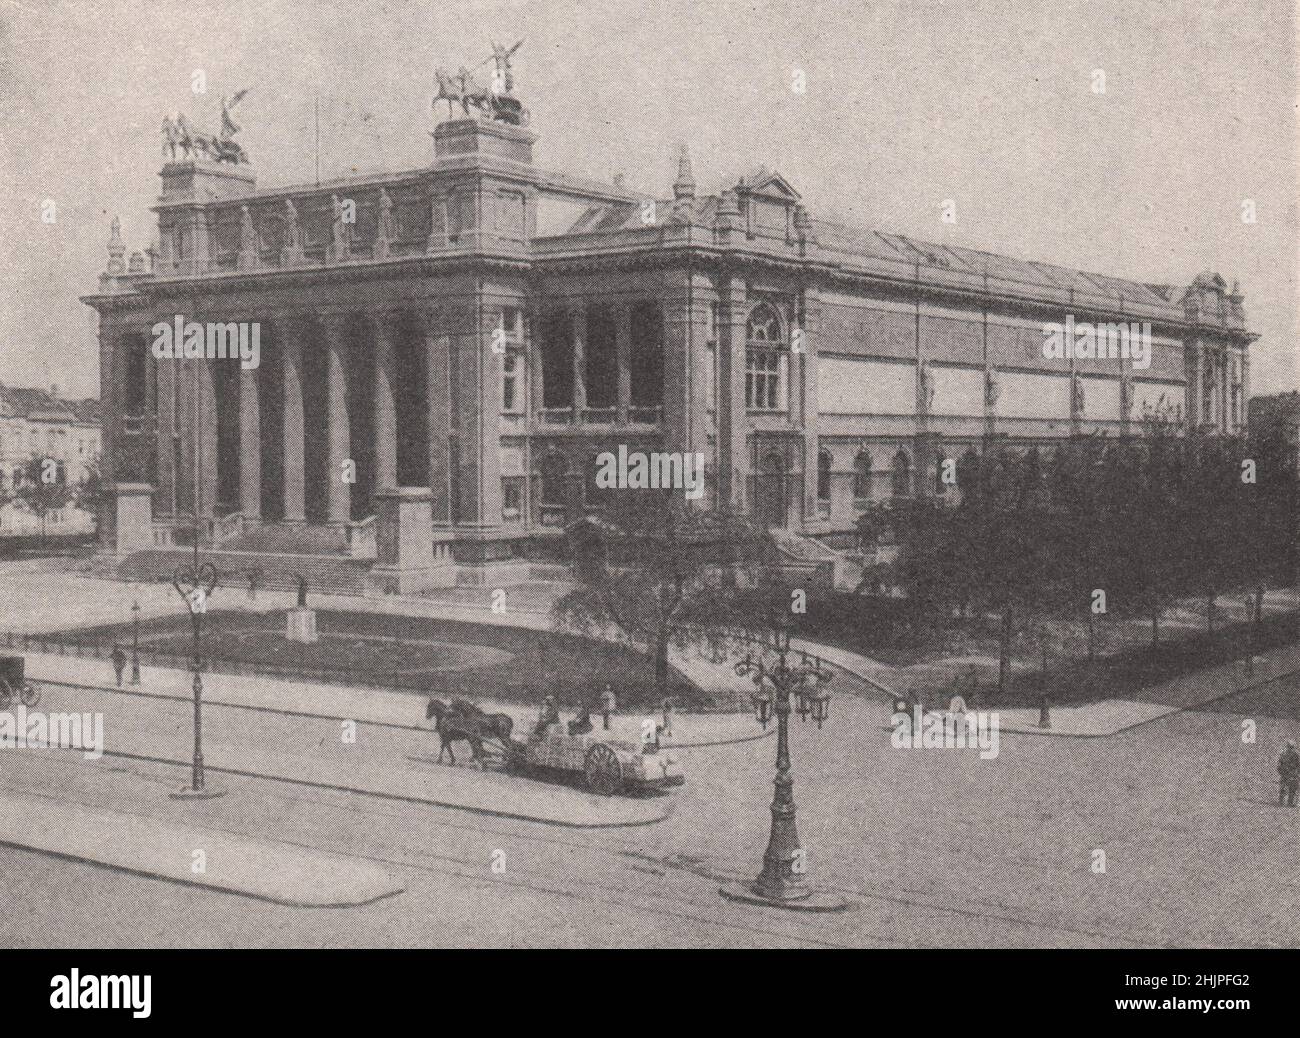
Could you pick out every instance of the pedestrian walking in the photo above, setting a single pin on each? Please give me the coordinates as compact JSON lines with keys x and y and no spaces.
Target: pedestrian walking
{"x":119,"y":663}
{"x":1288,"y":770}
{"x":608,"y":704}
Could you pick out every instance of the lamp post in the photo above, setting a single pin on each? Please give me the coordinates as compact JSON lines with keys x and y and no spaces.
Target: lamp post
{"x":195,"y":585}
{"x":782,"y":881}
{"x":135,"y":643}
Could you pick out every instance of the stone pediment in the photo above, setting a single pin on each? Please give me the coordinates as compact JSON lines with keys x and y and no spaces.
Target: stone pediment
{"x":767,"y":183}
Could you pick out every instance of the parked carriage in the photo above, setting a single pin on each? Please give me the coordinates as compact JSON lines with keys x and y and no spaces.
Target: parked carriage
{"x":14,"y":683}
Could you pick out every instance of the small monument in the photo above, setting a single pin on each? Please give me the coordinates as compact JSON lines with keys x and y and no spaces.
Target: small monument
{"x":302,"y":621}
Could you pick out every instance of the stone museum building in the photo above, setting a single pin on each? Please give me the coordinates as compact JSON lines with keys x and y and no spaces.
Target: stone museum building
{"x":443,"y":352}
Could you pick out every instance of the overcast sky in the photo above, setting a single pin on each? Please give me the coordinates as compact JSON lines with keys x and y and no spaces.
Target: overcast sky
{"x":908,"y":103}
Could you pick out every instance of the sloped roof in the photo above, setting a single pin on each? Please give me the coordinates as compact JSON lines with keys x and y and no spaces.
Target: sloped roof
{"x":30,"y":403}
{"x":855,"y":242}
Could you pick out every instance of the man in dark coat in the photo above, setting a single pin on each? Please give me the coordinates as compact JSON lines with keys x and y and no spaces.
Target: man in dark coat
{"x":119,"y":663}
{"x":1288,"y":770}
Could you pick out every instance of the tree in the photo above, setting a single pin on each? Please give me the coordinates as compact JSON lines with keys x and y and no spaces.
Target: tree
{"x":91,"y":494}
{"x":658,"y":572}
{"x":42,"y":487}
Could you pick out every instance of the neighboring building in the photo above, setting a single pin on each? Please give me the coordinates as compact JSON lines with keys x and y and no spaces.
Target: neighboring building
{"x":485,"y":328}
{"x":40,"y":423}
{"x":1278,"y":415}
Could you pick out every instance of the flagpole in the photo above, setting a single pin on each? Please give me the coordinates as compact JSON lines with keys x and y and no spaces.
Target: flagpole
{"x":318,"y":142}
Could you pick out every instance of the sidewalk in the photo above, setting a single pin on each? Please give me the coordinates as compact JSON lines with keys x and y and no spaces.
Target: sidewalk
{"x":269,"y":871}
{"x":1108,"y":716}
{"x":364,"y":705}
{"x":403,"y":765}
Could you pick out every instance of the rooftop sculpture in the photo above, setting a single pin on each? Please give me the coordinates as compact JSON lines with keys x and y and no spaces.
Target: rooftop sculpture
{"x":179,"y":134}
{"x":495,"y":102}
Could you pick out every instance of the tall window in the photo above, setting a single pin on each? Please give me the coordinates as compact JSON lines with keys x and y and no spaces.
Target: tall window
{"x":511,"y":389}
{"x":766,"y":363}
{"x":512,"y":498}
{"x":824,"y":476}
{"x":901,"y":475}
{"x":862,"y":476}
{"x":647,"y":360}
{"x":1207,"y":390}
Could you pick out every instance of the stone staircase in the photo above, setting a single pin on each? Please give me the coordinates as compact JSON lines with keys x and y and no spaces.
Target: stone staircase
{"x":822,"y":563}
{"x":300,"y":539}
{"x":331,"y":573}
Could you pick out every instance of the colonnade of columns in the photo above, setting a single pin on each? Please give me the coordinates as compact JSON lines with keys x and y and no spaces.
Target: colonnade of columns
{"x":299,"y":412}
{"x":573,"y":322}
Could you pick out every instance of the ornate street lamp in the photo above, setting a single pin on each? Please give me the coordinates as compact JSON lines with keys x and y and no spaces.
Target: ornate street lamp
{"x":195,"y":584}
{"x":782,"y":881}
{"x":135,"y":643}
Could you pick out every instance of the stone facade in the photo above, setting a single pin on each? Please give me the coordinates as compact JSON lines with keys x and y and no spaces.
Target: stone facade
{"x":482,"y":329}
{"x":44,"y":423}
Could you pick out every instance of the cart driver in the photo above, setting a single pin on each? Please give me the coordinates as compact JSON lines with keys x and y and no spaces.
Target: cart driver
{"x":550,"y":714}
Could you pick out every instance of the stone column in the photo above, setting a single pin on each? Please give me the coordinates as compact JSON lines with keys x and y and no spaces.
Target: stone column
{"x":294,"y":447}
{"x":732,"y":421}
{"x":168,"y":372}
{"x":385,"y":404}
{"x":623,"y":347}
{"x":807,"y":318}
{"x":579,"y":324}
{"x":250,"y":444}
{"x":1245,"y":388}
{"x":437,"y":352}
{"x":340,"y":442}
{"x":1225,"y":392}
{"x":207,"y":442}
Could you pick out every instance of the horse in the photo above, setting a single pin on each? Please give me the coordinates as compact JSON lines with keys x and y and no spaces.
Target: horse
{"x":462,"y":90}
{"x":499,"y":725}
{"x":451,"y":726}
{"x":171,"y":137}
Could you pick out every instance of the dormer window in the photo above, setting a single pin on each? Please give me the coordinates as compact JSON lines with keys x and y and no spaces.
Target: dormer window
{"x":767,"y":363}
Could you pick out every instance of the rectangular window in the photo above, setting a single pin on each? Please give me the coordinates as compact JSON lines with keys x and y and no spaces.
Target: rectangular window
{"x":765,"y":380}
{"x":511,"y":322}
{"x":512,"y":498}
{"x":511,"y":388}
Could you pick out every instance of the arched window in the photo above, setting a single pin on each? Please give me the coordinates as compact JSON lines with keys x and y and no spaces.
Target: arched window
{"x":824,"y":476}
{"x":767,"y":363}
{"x":901,"y":475}
{"x":941,"y":462}
{"x":862,"y":476}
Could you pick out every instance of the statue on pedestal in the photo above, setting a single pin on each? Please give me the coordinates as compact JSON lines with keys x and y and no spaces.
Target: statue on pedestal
{"x":338,"y":230}
{"x":1079,"y":399}
{"x":503,"y":80}
{"x":927,"y":387}
{"x":384,"y":229}
{"x":293,"y":232}
{"x":992,"y":388}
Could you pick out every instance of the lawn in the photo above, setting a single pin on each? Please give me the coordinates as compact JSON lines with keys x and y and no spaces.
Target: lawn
{"x":446,"y":658}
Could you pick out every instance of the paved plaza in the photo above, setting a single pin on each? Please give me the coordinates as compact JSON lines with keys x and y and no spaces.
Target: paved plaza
{"x":931,"y":846}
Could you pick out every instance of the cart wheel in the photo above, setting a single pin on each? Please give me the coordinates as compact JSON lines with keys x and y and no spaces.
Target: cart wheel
{"x":603,"y":770}
{"x":29,"y":694}
{"x":6,"y":695}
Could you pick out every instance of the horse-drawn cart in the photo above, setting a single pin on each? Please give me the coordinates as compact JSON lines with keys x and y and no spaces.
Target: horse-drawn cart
{"x":14,"y":683}
{"x":609,"y":766}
